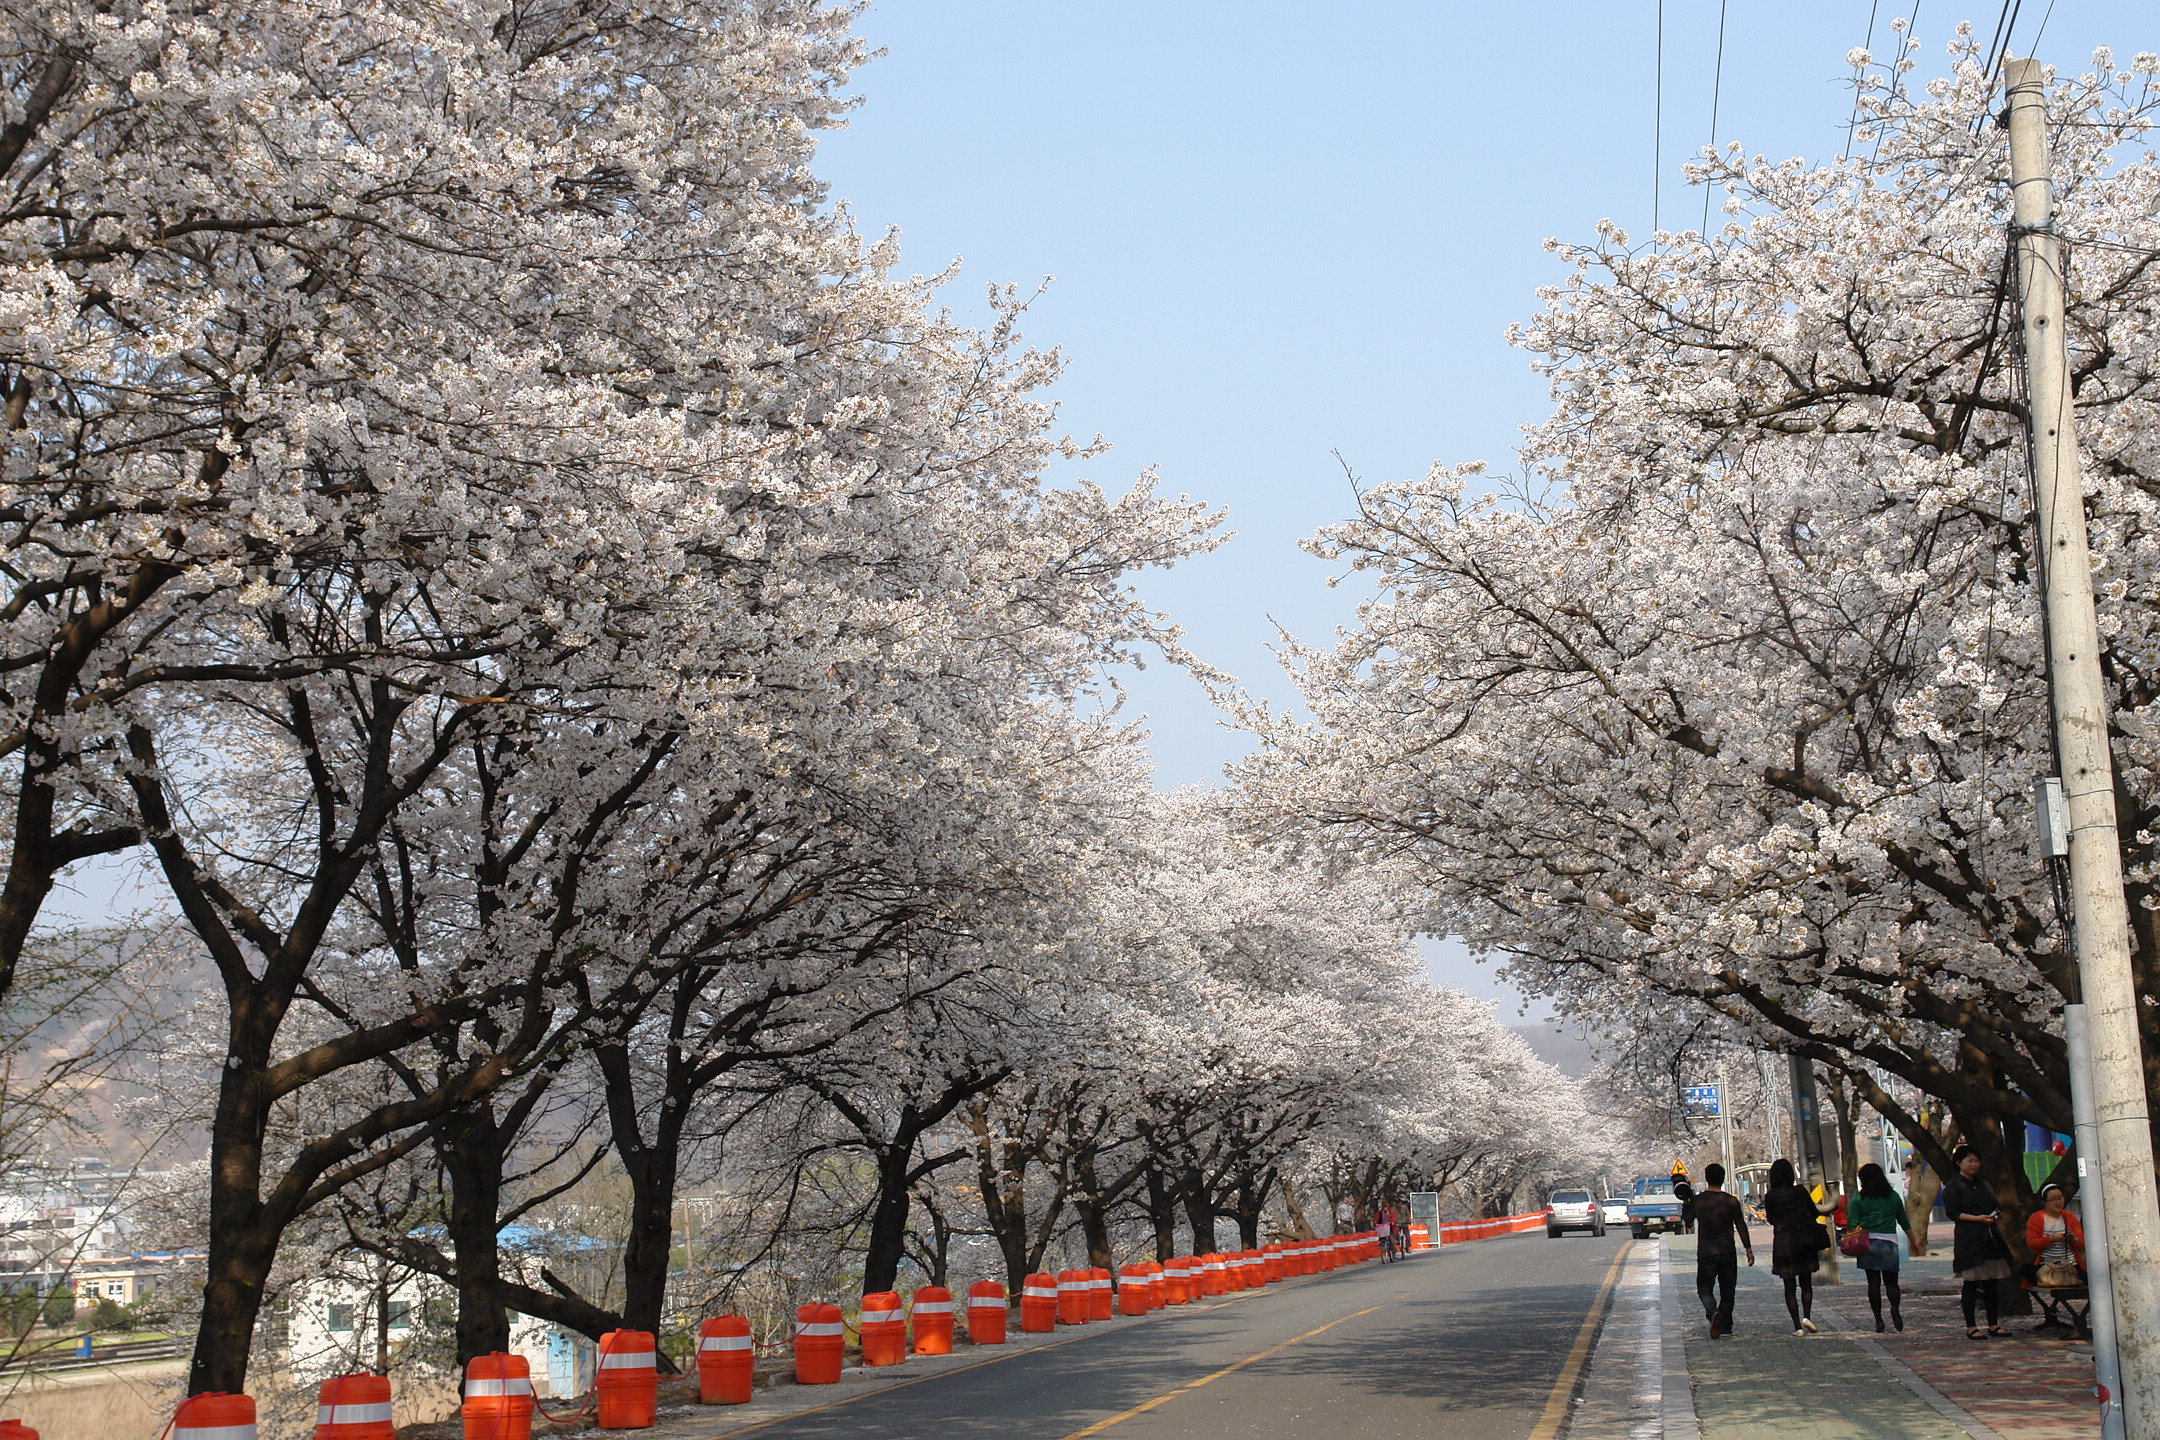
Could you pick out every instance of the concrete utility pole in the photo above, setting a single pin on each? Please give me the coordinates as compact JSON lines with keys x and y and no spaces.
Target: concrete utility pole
{"x":2099,"y":1274}
{"x":2108,"y":986}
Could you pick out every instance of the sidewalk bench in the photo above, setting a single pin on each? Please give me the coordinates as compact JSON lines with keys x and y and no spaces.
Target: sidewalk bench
{"x":2054,"y":1300}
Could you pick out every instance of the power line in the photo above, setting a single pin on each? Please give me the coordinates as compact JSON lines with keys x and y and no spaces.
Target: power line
{"x":1717,"y":90}
{"x":1867,"y":46}
{"x":2045,"y":16}
{"x":1657,"y":127}
{"x":2005,"y":21}
{"x":1897,"y":74}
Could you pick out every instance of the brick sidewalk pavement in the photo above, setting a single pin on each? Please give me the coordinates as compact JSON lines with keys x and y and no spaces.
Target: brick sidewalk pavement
{"x":1848,"y":1383}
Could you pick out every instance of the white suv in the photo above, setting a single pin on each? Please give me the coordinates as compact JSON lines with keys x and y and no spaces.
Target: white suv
{"x":1573,"y":1210}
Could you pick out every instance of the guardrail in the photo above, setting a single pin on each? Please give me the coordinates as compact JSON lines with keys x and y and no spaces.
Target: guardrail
{"x":68,"y":1357}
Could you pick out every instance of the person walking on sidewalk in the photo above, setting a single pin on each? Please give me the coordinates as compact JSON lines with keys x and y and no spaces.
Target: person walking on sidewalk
{"x":1797,"y":1240}
{"x":1719,"y":1222}
{"x":1978,"y":1255}
{"x":1880,"y":1211}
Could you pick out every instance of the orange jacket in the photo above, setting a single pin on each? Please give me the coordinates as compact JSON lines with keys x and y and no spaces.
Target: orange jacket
{"x":2036,"y":1233}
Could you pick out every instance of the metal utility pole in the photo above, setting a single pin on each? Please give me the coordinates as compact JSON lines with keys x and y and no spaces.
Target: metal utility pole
{"x":1809,"y":1158}
{"x":2108,"y":986}
{"x":1724,"y":1110}
{"x":1770,"y":1105}
{"x":1807,"y":1125}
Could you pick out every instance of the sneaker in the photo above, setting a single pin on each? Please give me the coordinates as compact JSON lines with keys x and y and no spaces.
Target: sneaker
{"x":1807,"y":1323}
{"x":1799,"y":1332}
{"x":1714,"y":1331}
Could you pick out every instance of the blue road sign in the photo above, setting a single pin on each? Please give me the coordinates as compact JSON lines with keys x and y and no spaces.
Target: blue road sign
{"x":1701,"y":1102}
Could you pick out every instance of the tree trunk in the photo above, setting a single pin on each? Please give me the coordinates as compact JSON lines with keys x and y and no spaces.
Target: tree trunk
{"x":1922,"y":1185}
{"x":469,"y":1146}
{"x":1001,"y":1170}
{"x":1300,"y":1227}
{"x":1162,"y":1214}
{"x":243,"y":1240}
{"x":1094,"y":1222}
{"x":1199,"y":1211}
{"x":889,"y":1216}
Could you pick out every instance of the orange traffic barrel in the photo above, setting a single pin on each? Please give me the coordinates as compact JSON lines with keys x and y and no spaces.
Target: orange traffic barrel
{"x":16,"y":1430}
{"x":1102,"y":1301}
{"x":1154,"y":1274}
{"x":724,"y":1360}
{"x":882,"y":1326}
{"x":1177,"y":1280}
{"x":1271,"y":1262}
{"x":1212,"y":1280}
{"x":930,"y":1315}
{"x":818,"y":1343}
{"x":1249,"y":1271}
{"x":353,"y":1407}
{"x":1072,"y":1301}
{"x":215,"y":1416}
{"x":1420,"y":1237}
{"x":498,"y":1398}
{"x":1131,"y":1291}
{"x":986,"y":1313}
{"x":628,"y":1383}
{"x":1038,"y":1304}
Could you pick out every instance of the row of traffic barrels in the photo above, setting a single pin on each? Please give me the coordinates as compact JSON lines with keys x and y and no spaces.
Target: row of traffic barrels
{"x":498,"y":1396}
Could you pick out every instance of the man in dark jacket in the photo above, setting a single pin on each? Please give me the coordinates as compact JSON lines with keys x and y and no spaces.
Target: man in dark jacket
{"x":1721,"y":1231}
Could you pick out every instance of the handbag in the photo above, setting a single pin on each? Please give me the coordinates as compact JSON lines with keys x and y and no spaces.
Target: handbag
{"x":1854,"y":1243}
{"x":2057,"y":1276}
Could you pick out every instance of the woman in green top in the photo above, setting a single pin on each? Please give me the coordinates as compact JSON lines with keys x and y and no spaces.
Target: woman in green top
{"x":1880,"y":1211}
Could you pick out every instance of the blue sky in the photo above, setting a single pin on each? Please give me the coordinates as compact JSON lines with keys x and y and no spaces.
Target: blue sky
{"x":1282,"y":231}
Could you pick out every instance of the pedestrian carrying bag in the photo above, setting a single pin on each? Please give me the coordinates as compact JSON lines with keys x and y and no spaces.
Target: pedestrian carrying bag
{"x":1854,"y":1243}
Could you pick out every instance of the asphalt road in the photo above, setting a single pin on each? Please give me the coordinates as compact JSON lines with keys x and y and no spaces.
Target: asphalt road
{"x":1465,"y":1343}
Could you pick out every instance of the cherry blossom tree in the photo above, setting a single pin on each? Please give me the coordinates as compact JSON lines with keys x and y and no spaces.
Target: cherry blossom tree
{"x":1736,"y":694}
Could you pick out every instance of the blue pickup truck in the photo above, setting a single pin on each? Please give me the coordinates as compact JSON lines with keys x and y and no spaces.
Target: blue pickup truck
{"x":1653,"y":1206}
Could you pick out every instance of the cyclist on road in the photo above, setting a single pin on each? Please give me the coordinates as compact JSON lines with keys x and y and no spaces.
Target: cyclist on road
{"x":1384,"y":1225}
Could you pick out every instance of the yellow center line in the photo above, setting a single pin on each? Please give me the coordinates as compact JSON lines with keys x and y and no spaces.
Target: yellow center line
{"x":1167,"y":1396}
{"x":1556,"y":1404}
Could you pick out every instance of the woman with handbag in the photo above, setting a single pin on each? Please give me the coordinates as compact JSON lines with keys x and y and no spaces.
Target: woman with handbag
{"x":1877,"y":1214}
{"x":1980,"y":1257}
{"x":2057,"y":1242}
{"x":1797,"y":1240}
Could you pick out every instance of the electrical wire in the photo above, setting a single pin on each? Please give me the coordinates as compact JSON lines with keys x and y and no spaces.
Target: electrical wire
{"x":1657,"y":127}
{"x":1717,"y":90}
{"x":1897,"y":72}
{"x":1868,"y":45}
{"x":2041,"y":33}
{"x":2005,"y":22}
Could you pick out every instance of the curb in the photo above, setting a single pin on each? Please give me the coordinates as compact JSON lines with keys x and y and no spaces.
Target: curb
{"x":1677,"y":1401}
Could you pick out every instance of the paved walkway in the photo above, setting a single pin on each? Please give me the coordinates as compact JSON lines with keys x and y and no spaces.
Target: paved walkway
{"x":1848,"y":1383}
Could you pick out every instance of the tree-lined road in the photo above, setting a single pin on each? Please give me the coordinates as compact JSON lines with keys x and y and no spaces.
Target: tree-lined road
{"x":1470,"y":1343}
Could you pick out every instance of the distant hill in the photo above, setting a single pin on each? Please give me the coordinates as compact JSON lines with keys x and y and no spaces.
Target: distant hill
{"x":1562,"y":1049}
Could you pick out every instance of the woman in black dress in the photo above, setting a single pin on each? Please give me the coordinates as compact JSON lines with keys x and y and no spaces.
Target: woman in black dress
{"x":1797,"y":1240}
{"x":1979,"y":1256}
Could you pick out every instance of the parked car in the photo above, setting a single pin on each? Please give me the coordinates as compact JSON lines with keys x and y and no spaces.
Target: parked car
{"x":1614,"y":1208}
{"x":1573,"y":1210}
{"x":1653,"y":1206}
